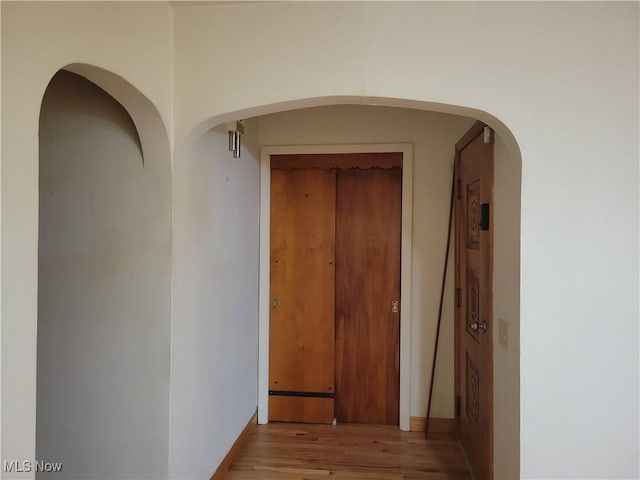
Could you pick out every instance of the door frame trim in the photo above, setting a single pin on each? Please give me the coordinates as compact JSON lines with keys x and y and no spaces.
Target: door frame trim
{"x":405,"y":263}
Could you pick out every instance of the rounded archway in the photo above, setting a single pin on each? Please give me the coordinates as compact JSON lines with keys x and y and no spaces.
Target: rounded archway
{"x":104,"y":278}
{"x":433,"y":129}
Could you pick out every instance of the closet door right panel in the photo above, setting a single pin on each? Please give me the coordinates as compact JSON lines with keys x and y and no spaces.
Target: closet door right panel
{"x":368,"y":235}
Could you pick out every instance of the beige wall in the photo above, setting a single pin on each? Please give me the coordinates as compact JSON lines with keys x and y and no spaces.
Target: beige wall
{"x":130,"y":39}
{"x":558,"y":81}
{"x":214,"y":352}
{"x":433,"y":136}
{"x":560,"y":88}
{"x":104,"y":285}
{"x":506,"y":307}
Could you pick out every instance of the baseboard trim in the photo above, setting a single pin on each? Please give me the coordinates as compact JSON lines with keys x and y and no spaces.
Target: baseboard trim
{"x":225,"y":465}
{"x":436,"y":425}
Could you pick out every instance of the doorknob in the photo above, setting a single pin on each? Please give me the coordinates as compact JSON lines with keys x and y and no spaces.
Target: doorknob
{"x":475,"y":326}
{"x":274,"y":303}
{"x":394,"y":306}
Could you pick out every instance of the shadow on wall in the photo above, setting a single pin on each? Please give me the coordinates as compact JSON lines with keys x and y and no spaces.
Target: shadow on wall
{"x":103,"y":290}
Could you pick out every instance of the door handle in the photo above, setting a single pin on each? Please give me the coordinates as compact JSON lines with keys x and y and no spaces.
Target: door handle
{"x":274,"y":303}
{"x":395,"y":306}
{"x":475,"y":326}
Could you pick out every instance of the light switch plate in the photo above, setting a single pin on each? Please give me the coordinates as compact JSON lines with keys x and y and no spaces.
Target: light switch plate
{"x":503,"y":332}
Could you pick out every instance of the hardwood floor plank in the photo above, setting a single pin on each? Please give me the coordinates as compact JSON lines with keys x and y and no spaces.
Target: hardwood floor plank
{"x":284,"y":451}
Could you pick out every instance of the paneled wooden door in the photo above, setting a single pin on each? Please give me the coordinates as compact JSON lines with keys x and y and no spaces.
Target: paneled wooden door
{"x":302,"y":326}
{"x":474,"y":325}
{"x":368,"y":233}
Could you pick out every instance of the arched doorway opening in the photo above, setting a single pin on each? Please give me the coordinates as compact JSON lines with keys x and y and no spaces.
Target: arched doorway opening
{"x":434,"y":130}
{"x":104,"y":276}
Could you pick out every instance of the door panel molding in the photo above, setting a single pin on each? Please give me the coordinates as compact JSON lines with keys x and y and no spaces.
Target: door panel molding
{"x":405,"y":263}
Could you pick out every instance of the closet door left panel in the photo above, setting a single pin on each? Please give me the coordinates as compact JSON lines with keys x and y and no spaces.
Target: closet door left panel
{"x":302,"y":320}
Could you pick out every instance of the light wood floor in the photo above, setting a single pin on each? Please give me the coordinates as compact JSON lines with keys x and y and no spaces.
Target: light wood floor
{"x":281,"y":451}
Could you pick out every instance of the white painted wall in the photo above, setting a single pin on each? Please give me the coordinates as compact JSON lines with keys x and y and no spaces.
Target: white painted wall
{"x":506,"y":306}
{"x":214,"y":361}
{"x":433,"y":136}
{"x":103,"y":292}
{"x":131,"y":39}
{"x":562,"y":76}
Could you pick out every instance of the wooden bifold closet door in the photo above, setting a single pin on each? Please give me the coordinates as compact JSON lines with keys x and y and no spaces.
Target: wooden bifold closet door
{"x":335,"y":293}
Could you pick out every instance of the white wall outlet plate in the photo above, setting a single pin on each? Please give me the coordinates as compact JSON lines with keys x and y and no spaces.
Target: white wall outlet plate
{"x":503,"y":332}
